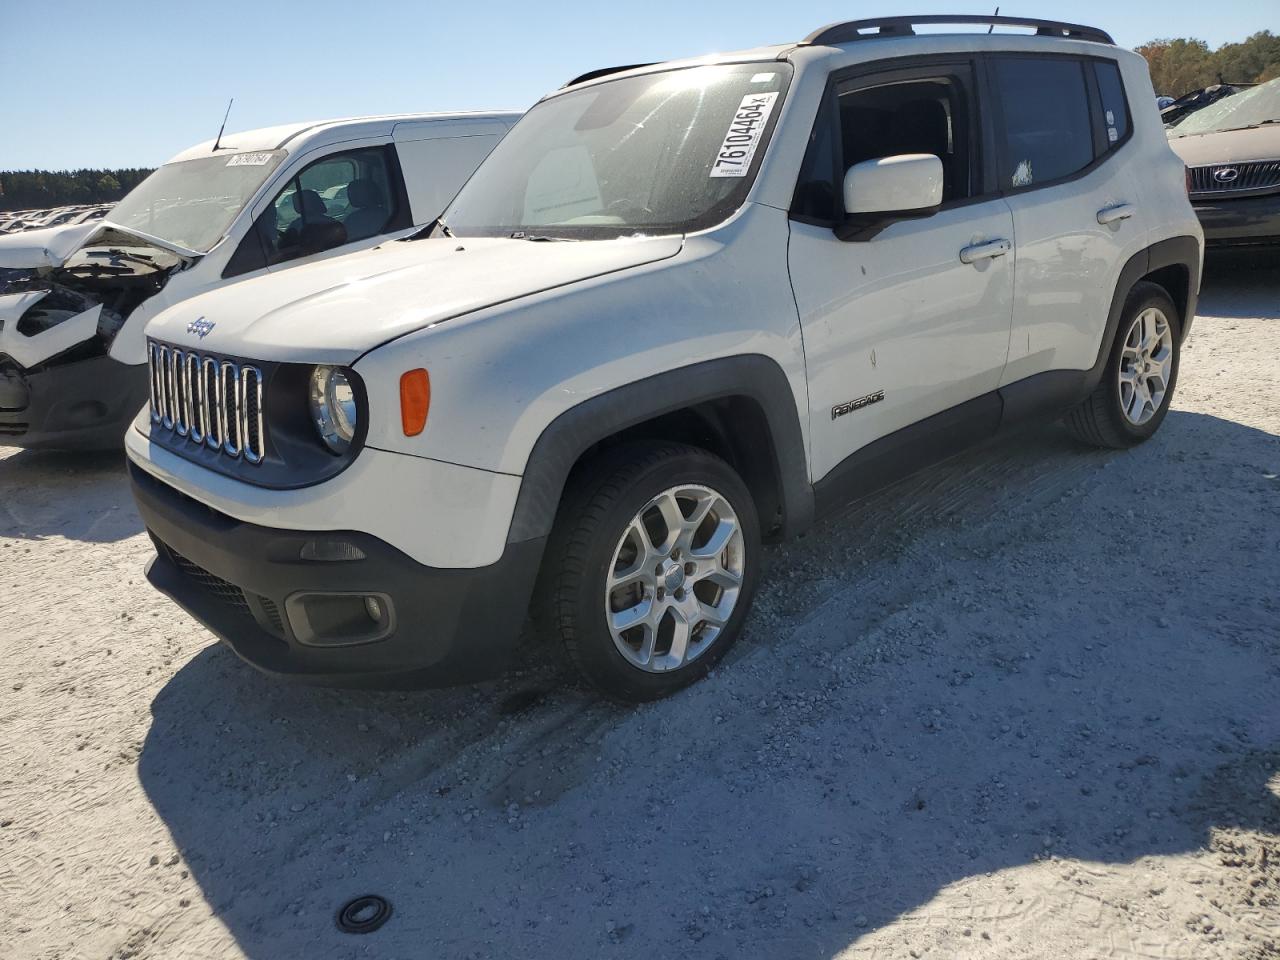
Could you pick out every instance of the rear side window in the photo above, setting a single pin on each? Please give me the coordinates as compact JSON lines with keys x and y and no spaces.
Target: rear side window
{"x":1047,"y":132}
{"x":1115,"y":109}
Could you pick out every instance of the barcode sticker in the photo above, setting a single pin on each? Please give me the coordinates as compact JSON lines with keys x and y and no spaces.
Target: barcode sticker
{"x":249,"y":160}
{"x":743,"y":137}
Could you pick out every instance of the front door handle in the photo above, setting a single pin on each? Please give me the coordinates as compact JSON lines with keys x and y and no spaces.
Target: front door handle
{"x":1121,"y":211}
{"x":985,"y":251}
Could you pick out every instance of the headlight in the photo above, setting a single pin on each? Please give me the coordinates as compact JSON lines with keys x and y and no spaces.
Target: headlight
{"x":333,"y":407}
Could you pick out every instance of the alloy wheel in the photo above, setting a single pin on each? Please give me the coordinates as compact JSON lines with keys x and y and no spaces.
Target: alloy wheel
{"x":675,"y":578}
{"x":1146,"y":364}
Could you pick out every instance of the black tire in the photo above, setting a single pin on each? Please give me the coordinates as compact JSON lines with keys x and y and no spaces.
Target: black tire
{"x":1100,"y":420}
{"x":597,"y":509}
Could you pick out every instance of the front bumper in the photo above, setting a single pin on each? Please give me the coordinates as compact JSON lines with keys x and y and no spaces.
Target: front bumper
{"x":250,"y":587}
{"x":77,"y":405}
{"x":1240,"y":221}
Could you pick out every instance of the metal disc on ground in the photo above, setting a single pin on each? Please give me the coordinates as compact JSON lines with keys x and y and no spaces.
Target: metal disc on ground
{"x":364,"y":914}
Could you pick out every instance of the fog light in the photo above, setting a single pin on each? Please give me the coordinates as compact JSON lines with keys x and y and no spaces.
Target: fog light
{"x":330,"y":551}
{"x":340,"y":619}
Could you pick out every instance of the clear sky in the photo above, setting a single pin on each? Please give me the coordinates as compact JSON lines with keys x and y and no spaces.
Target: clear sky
{"x":130,"y":84}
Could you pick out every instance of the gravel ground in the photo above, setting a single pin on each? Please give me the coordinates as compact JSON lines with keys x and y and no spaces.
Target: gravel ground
{"x":1023,"y":705}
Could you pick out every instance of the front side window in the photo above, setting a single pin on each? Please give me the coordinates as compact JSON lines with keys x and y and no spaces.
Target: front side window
{"x":192,"y":202}
{"x":876,"y":118}
{"x":339,"y":199}
{"x":1047,"y":132}
{"x":666,"y":152}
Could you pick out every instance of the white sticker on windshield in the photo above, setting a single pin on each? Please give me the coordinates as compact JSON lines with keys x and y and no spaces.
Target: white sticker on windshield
{"x":740,"y":142}
{"x":762,"y":77}
{"x":249,"y":160}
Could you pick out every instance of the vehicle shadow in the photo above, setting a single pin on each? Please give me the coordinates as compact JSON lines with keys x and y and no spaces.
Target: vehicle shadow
{"x":1017,"y":655}
{"x":37,"y":485}
{"x":1241,"y":284}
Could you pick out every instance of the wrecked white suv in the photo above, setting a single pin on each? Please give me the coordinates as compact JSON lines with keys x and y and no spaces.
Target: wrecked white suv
{"x":74,"y":299}
{"x":679,"y":310}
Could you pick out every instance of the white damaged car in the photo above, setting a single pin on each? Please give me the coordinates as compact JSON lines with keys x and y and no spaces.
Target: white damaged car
{"x":74,"y":299}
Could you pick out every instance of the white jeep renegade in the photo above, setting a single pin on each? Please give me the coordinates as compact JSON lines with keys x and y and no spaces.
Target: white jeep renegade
{"x":680,"y":309}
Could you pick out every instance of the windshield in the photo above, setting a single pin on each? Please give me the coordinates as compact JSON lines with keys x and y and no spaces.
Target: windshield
{"x":1257,"y":105}
{"x":191,"y":203}
{"x":665,"y":152}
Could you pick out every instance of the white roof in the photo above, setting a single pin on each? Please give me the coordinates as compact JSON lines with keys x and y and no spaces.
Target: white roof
{"x":291,"y":136}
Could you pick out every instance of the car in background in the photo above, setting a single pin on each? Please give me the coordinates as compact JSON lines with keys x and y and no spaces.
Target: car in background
{"x":1232,"y":152}
{"x":75,"y":297}
{"x":1184,"y":106}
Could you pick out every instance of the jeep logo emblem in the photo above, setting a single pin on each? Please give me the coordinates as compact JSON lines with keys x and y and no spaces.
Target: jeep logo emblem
{"x":1226,"y":174}
{"x":200,"y":327}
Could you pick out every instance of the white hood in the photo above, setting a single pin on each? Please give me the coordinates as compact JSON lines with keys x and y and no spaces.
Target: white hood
{"x":47,"y":247}
{"x":52,"y":246}
{"x":334,"y":310}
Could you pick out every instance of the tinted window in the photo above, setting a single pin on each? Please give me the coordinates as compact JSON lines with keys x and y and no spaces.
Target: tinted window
{"x":1047,"y":132}
{"x":340,"y":199}
{"x":1115,"y":109}
{"x":874,"y":120}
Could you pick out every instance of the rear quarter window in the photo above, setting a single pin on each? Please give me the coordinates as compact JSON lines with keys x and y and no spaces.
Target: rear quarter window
{"x":1115,"y":107}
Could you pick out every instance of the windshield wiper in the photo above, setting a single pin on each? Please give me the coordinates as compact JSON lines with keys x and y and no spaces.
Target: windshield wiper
{"x":1247,"y":126}
{"x":136,"y":257}
{"x":540,"y":238}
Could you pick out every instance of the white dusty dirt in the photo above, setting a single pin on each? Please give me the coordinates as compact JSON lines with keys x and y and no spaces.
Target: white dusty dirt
{"x":1024,"y":705}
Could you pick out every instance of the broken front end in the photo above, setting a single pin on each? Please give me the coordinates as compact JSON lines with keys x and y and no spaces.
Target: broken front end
{"x":60,"y":387}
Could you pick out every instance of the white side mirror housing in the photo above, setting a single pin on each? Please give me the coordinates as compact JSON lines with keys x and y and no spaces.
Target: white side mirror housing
{"x":907,"y":182}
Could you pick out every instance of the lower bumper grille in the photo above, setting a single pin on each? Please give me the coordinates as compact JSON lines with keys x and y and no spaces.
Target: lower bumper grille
{"x":227,"y":592}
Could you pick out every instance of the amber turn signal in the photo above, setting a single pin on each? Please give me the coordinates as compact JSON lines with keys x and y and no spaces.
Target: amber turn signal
{"x":415,"y":400}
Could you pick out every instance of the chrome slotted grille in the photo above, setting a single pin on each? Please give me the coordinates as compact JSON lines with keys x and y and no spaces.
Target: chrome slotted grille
{"x":208,"y":400}
{"x":1223,"y":178}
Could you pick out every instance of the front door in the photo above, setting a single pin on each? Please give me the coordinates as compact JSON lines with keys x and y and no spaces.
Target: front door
{"x":915,"y":320}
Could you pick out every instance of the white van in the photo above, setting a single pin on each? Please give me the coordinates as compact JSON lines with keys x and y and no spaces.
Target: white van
{"x":74,"y":299}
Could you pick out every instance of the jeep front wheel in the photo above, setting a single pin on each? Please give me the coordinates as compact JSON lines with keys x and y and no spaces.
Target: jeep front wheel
{"x":656,"y":554}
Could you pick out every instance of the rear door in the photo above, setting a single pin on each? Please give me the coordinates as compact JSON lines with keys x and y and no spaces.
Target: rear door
{"x":915,"y":320}
{"x":1077,"y":215}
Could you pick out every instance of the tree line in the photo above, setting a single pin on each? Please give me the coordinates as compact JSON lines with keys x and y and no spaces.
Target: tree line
{"x":39,"y":189}
{"x":1183,"y":65}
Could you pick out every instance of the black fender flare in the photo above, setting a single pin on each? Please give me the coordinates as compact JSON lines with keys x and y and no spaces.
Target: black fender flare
{"x":574,"y":431}
{"x":1176,"y":251}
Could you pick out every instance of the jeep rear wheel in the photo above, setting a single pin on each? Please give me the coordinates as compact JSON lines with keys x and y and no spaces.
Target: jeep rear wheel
{"x":655,"y":559}
{"x":1131,"y":400}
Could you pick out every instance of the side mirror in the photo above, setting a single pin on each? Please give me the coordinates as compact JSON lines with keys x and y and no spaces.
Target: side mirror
{"x":883,"y":191}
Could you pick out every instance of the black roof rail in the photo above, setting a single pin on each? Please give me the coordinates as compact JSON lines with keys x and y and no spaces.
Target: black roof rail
{"x":903,"y":27}
{"x":603,"y":72}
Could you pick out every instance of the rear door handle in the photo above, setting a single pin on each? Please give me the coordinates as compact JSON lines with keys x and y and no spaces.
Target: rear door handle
{"x":1121,"y":211}
{"x":985,"y":251}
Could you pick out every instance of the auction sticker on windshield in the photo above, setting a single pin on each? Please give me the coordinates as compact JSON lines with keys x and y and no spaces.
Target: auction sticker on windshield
{"x":739,"y":146}
{"x":249,"y":160}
